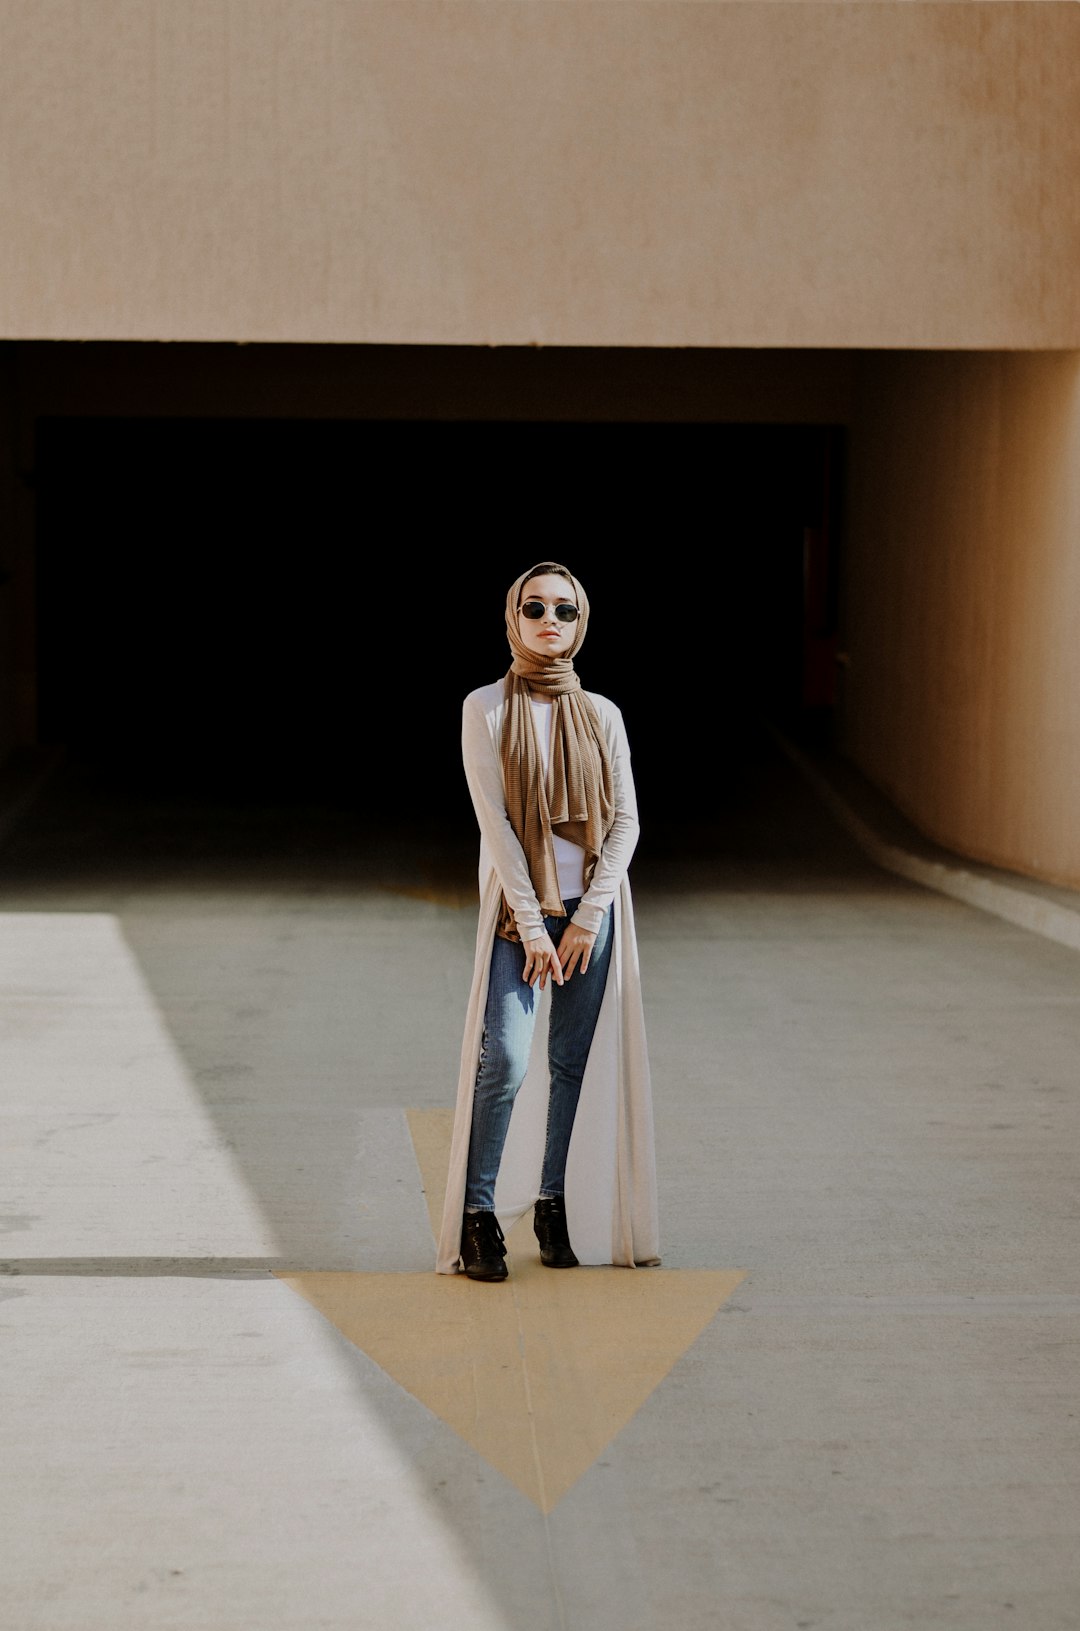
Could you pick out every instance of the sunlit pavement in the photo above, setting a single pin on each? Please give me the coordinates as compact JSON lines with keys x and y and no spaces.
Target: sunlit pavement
{"x":236,"y":1396}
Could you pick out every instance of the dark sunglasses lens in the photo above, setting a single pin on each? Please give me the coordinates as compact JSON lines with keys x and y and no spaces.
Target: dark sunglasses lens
{"x":535,"y":609}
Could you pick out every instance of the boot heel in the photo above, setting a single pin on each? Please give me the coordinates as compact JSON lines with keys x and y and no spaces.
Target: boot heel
{"x":482,"y":1249}
{"x":549,"y":1227}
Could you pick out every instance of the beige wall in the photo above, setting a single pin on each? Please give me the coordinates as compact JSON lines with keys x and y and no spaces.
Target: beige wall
{"x":963,"y":586}
{"x":476,"y":172}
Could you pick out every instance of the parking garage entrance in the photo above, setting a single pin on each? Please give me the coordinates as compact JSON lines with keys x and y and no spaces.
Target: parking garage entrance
{"x":239,"y":607}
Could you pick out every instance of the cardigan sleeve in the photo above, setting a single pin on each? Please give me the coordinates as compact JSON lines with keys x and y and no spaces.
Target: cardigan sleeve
{"x":483,"y":772}
{"x":621,"y":841}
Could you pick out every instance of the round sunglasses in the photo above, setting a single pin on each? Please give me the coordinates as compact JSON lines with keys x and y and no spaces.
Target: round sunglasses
{"x":535,"y":609}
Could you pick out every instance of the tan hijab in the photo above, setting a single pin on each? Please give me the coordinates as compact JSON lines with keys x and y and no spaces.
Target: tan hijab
{"x":576,"y":799}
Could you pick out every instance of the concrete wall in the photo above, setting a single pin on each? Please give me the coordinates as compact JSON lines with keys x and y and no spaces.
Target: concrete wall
{"x":479,"y":172}
{"x":962,"y":589}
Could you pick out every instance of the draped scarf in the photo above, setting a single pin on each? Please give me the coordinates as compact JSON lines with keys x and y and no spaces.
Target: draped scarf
{"x":576,"y":798}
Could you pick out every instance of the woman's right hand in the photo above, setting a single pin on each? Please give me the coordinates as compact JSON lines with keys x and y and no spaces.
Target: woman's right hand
{"x":541,"y":959}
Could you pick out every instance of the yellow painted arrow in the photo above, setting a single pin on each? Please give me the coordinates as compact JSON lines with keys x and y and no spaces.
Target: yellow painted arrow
{"x":538,"y":1374}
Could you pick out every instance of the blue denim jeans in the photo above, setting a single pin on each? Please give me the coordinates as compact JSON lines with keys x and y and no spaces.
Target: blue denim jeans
{"x":509,"y":1018}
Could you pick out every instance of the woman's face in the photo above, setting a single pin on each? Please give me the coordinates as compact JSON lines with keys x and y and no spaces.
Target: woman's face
{"x":547,"y":635}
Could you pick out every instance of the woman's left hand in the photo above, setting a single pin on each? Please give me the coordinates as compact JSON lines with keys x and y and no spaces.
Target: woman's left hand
{"x":575,"y":949}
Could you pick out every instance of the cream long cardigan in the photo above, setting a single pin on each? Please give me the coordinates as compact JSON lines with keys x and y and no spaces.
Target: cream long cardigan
{"x":611,"y":1167}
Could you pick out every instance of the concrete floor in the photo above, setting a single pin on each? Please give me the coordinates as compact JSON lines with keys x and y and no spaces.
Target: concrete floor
{"x":867,"y":1102}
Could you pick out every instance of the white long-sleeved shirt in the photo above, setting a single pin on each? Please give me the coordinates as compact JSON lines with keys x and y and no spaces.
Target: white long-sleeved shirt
{"x":569,"y":858}
{"x":481,"y":756}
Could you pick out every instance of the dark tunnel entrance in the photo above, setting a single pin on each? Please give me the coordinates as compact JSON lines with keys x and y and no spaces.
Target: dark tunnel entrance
{"x":238,"y":609}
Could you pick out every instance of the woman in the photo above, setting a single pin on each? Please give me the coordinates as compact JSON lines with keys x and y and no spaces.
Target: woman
{"x":548,"y":768}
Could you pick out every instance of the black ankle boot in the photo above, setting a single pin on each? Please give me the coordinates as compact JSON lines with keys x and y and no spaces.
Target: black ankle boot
{"x":549,"y":1226}
{"x":482,"y":1249}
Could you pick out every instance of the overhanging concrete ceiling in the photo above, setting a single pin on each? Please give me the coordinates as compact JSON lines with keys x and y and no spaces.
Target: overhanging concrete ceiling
{"x":475,"y":172}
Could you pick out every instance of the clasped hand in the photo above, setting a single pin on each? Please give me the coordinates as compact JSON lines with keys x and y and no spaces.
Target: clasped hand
{"x":542,"y":958}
